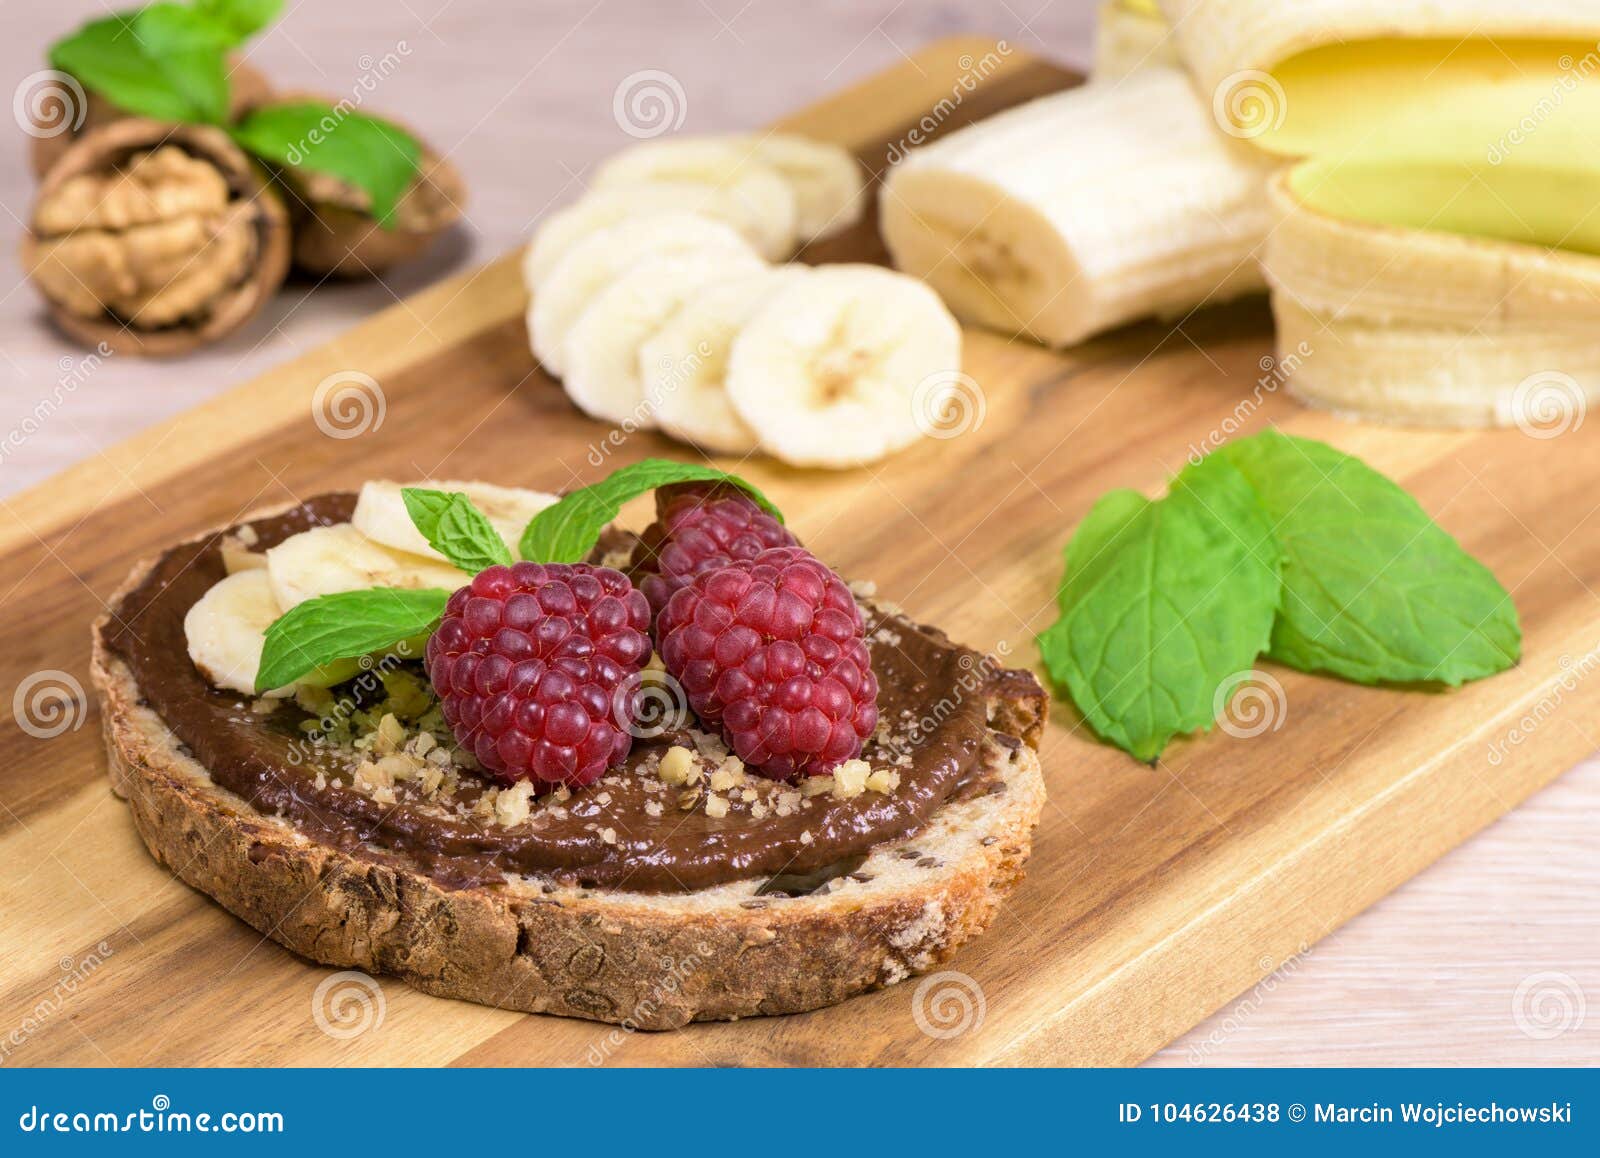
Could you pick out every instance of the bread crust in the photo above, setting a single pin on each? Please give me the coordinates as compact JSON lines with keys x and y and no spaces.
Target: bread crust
{"x":645,"y":961}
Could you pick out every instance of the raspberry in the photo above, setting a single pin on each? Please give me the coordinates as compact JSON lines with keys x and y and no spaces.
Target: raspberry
{"x":533,"y":665}
{"x":700,"y":526}
{"x":772,"y":650}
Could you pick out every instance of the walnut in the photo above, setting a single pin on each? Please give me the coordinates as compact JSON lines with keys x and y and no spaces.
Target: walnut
{"x":60,"y":123}
{"x":154,"y":238}
{"x":335,"y":232}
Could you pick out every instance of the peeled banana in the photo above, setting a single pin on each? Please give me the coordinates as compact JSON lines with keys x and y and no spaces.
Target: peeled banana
{"x":227,"y":627}
{"x":1129,"y":35}
{"x":1082,"y":210}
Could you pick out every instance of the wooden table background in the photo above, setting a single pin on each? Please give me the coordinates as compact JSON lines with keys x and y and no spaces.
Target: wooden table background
{"x":1428,"y":975}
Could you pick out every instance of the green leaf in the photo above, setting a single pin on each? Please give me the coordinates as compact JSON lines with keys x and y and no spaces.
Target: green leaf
{"x":1162,"y":602}
{"x":566,"y":531}
{"x":375,"y":156}
{"x":240,"y":19}
{"x":456,"y":529}
{"x":344,"y":626}
{"x":1374,"y":590}
{"x":191,"y":52}
{"x":106,"y":56}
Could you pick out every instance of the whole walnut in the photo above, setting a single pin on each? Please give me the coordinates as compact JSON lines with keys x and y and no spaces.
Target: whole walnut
{"x":57,"y":124}
{"x":154,"y":238}
{"x":335,"y":232}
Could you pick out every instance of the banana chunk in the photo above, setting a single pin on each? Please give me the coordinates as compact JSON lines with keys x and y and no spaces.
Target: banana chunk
{"x":602,"y":351}
{"x":685,"y":364}
{"x":226,"y":629}
{"x":828,"y":373}
{"x":326,"y":560}
{"x":1082,"y":210}
{"x":381,"y":513}
{"x":598,"y":259}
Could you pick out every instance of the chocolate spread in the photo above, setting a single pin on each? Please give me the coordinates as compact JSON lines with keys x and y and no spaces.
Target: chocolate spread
{"x":615,"y":834}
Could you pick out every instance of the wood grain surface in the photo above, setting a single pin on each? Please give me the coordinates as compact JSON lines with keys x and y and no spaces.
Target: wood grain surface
{"x":1155,"y":896}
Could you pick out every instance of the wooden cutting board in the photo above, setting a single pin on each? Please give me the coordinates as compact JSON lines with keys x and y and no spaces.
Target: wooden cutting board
{"x":1154,"y":894}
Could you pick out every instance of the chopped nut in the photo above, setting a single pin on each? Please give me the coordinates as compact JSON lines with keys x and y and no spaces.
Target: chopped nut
{"x":747,"y":795}
{"x":805,"y":837}
{"x":850,"y":778}
{"x":264,"y":706}
{"x":422,"y":743}
{"x":652,"y":808}
{"x":816,"y":785}
{"x":675,"y":765}
{"x":602,"y":798}
{"x":716,"y":806}
{"x":759,"y":810}
{"x":787,"y":803}
{"x":884,"y":780}
{"x":688,"y":798}
{"x":370,"y":777}
{"x":514,"y":804}
{"x":389,"y":736}
{"x":609,"y":835}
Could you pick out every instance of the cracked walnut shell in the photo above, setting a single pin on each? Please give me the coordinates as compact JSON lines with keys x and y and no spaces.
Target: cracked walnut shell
{"x":155,"y":238}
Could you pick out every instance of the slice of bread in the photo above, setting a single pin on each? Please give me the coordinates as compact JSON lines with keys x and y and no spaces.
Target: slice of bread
{"x":643,"y":960}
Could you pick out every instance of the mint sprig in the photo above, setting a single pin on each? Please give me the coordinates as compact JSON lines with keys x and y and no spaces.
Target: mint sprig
{"x":375,"y":156}
{"x":346,"y":625}
{"x":456,"y":529}
{"x":1274,"y":544}
{"x":566,"y":531}
{"x":1162,"y":602}
{"x":169,"y":61}
{"x":1374,"y":590}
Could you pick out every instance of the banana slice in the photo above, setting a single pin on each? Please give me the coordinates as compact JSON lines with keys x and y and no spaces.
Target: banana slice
{"x":595,"y":261}
{"x":325,"y":560}
{"x":768,"y":208}
{"x":833,"y":370}
{"x":685,"y":365}
{"x":830,"y":190}
{"x":602,"y":351}
{"x":381,"y":513}
{"x":769,"y":228}
{"x":827,"y":183}
{"x":226,"y":628}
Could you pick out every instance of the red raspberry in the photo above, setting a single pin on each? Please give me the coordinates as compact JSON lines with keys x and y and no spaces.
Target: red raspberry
{"x":700,"y":526}
{"x":533,"y":663}
{"x":772,"y":650}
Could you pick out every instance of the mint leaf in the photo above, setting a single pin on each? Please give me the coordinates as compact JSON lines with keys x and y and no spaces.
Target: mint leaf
{"x":239,"y":19}
{"x":375,"y":156}
{"x":1162,"y":601}
{"x":1374,"y":590}
{"x":456,"y":529}
{"x":106,"y":57}
{"x":344,"y":626}
{"x":190,"y":50}
{"x":566,"y":531}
